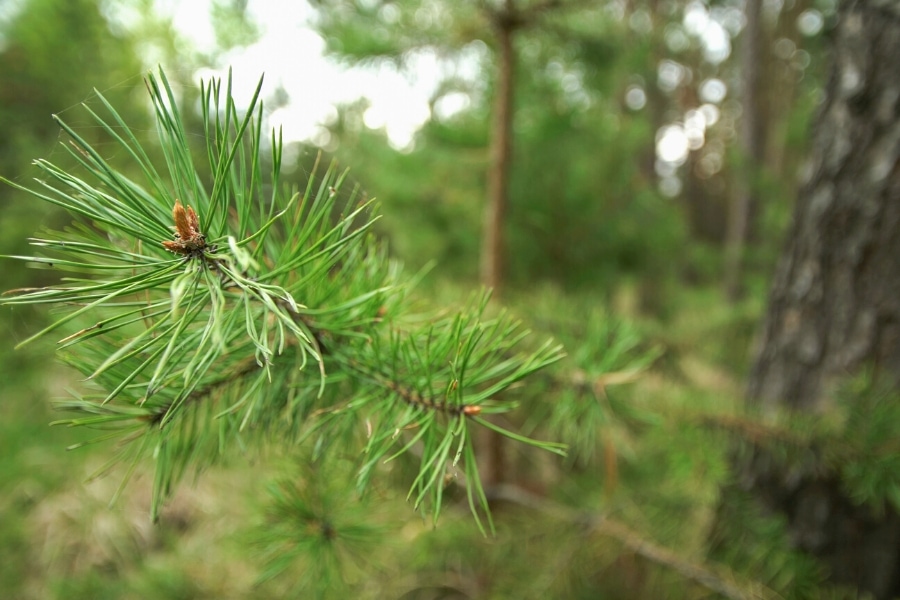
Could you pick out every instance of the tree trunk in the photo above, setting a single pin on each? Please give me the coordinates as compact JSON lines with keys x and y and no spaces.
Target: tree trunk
{"x":492,"y":450}
{"x":743,"y":206}
{"x":493,"y":247}
{"x":835,"y":301}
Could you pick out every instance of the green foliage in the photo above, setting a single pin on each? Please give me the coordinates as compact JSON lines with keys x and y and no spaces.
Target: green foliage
{"x":605,"y":354}
{"x":365,"y":31}
{"x":848,"y":454}
{"x":314,"y":529}
{"x":50,"y":53}
{"x":758,"y":545}
{"x":864,"y":449}
{"x":49,"y":49}
{"x":266,"y":310}
{"x":432,"y":196}
{"x":232,"y":25}
{"x":855,"y":443}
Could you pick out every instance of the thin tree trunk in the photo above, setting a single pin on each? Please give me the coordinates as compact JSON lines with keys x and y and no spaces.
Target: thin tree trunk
{"x":743,"y":205}
{"x":835,"y":302}
{"x":492,"y":456}
{"x":493,"y":248}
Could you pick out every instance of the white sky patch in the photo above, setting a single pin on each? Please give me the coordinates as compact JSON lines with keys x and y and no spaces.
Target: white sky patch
{"x":716,"y":40}
{"x":810,"y":22}
{"x":672,"y":144}
{"x":9,"y":10}
{"x":451,"y":104}
{"x":676,"y":141}
{"x":713,"y":90}
{"x":670,"y":74}
{"x":710,"y":114}
{"x":291,"y":55}
{"x":696,"y":18}
{"x":695,"y":129}
{"x":716,"y":43}
{"x":635,"y":97}
{"x":192,"y":19}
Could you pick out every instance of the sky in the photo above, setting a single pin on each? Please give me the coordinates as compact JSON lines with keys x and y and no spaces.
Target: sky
{"x":291,"y":55}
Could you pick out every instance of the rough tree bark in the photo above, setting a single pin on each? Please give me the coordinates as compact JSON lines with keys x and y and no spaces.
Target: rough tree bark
{"x":835,"y":300}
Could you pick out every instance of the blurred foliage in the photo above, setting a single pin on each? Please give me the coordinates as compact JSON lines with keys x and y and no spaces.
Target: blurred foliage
{"x":851,"y":448}
{"x":232,"y":26}
{"x":324,"y":537}
{"x":586,"y":208}
{"x":54,"y":51}
{"x":580,"y":214}
{"x":50,"y":51}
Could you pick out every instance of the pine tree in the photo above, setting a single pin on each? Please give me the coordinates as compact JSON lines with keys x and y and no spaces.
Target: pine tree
{"x":208,"y":314}
{"x":831,"y":316}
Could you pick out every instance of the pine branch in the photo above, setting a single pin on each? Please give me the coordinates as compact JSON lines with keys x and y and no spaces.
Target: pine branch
{"x":753,"y":431}
{"x":202,"y":311}
{"x":856,"y":443}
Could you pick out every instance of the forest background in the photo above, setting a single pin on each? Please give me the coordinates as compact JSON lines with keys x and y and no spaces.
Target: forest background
{"x":621,"y":173}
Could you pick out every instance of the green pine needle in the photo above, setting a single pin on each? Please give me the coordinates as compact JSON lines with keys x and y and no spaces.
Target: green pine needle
{"x":207,"y":305}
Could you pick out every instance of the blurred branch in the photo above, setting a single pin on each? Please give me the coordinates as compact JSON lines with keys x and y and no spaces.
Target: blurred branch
{"x":752,"y":431}
{"x":708,"y":577}
{"x":511,"y":17}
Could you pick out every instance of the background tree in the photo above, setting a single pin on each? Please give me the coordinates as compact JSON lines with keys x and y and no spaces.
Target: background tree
{"x":744,"y":205}
{"x":833,"y":306}
{"x":579,"y":204}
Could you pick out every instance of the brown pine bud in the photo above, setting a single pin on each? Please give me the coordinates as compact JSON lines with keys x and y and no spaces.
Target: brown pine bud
{"x":188,"y":238}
